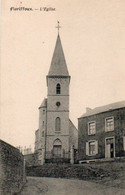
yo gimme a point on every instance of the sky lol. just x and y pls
(93, 39)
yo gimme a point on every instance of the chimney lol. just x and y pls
(88, 109)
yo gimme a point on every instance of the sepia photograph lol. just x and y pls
(62, 97)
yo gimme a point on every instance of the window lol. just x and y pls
(58, 104)
(43, 111)
(91, 128)
(42, 133)
(57, 124)
(58, 89)
(109, 124)
(91, 148)
(43, 124)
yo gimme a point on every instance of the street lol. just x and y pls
(58, 186)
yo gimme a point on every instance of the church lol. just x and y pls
(57, 137)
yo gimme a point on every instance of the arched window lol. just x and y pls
(58, 89)
(58, 124)
(43, 124)
(57, 142)
(42, 133)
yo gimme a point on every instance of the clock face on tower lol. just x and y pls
(58, 104)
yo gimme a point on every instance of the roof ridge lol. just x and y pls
(104, 108)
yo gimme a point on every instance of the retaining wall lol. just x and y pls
(12, 169)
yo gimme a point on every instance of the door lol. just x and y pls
(57, 151)
(108, 151)
(109, 148)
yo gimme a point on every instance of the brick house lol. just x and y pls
(101, 132)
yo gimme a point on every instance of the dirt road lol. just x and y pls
(58, 186)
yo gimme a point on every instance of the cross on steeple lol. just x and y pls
(58, 26)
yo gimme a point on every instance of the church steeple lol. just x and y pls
(58, 64)
(56, 133)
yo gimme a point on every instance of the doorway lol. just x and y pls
(110, 147)
(57, 149)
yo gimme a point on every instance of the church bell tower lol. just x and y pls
(57, 129)
(57, 136)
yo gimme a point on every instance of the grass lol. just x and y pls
(110, 174)
(107, 173)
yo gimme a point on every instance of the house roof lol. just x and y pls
(104, 108)
(58, 65)
(36, 130)
(44, 103)
(73, 125)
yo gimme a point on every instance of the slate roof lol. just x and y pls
(58, 65)
(105, 108)
(44, 103)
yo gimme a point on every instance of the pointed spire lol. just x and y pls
(58, 65)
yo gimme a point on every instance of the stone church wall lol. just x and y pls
(64, 82)
(51, 116)
(73, 138)
(64, 140)
(12, 171)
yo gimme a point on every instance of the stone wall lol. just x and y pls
(12, 169)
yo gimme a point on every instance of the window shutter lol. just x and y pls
(96, 147)
(87, 148)
(124, 143)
